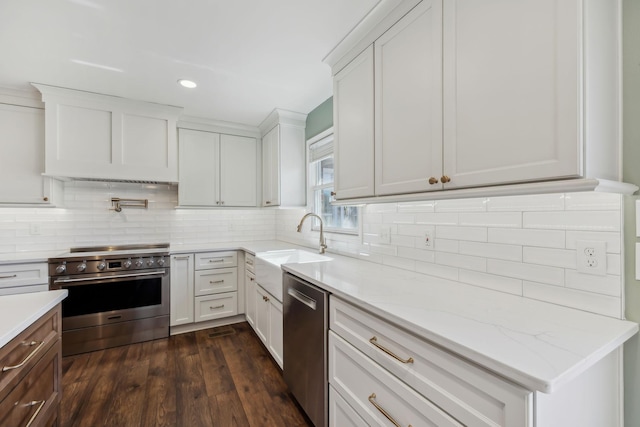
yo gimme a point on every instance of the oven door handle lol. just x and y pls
(118, 276)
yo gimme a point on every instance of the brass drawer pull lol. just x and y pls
(372, 399)
(35, 414)
(216, 260)
(250, 262)
(216, 307)
(374, 341)
(213, 282)
(252, 279)
(445, 179)
(9, 277)
(181, 257)
(26, 359)
(433, 180)
(265, 299)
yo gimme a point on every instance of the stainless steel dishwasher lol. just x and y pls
(305, 347)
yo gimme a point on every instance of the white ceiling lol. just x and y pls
(247, 56)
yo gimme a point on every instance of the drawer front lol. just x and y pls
(23, 274)
(216, 260)
(216, 281)
(375, 394)
(36, 398)
(24, 289)
(341, 414)
(471, 395)
(250, 262)
(216, 306)
(24, 351)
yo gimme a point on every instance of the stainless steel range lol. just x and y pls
(117, 295)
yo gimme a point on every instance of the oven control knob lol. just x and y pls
(82, 267)
(160, 262)
(127, 263)
(102, 265)
(61, 269)
(150, 262)
(139, 263)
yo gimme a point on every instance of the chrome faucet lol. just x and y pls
(323, 244)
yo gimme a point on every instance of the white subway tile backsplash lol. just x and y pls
(461, 205)
(415, 230)
(595, 201)
(474, 234)
(541, 202)
(492, 250)
(491, 281)
(607, 285)
(437, 218)
(445, 245)
(614, 264)
(551, 257)
(394, 261)
(437, 270)
(587, 301)
(573, 220)
(416, 254)
(518, 270)
(542, 238)
(461, 261)
(613, 239)
(417, 207)
(491, 219)
(398, 218)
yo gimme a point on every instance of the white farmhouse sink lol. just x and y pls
(268, 272)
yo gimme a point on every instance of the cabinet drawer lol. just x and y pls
(23, 274)
(216, 306)
(24, 289)
(250, 262)
(471, 395)
(216, 281)
(36, 398)
(341, 414)
(216, 260)
(23, 352)
(372, 391)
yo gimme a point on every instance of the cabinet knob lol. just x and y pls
(433, 180)
(46, 199)
(267, 202)
(333, 193)
(445, 179)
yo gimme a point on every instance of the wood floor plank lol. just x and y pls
(194, 379)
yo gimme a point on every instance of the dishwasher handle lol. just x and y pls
(308, 301)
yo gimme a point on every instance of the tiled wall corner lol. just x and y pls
(524, 245)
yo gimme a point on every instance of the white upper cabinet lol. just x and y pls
(512, 99)
(216, 169)
(104, 137)
(474, 93)
(353, 110)
(283, 159)
(22, 156)
(408, 102)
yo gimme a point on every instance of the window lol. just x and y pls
(340, 219)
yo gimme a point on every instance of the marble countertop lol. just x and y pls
(18, 312)
(536, 344)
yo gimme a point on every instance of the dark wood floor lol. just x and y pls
(216, 377)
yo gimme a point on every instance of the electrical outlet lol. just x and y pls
(428, 239)
(591, 257)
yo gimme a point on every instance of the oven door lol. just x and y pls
(113, 297)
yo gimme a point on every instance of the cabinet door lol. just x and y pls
(238, 185)
(22, 155)
(511, 91)
(408, 102)
(271, 168)
(198, 170)
(353, 127)
(182, 284)
(275, 336)
(262, 314)
(250, 298)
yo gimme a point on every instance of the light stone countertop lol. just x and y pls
(536, 344)
(18, 312)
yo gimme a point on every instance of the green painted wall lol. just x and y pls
(320, 119)
(631, 174)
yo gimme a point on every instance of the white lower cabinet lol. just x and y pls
(340, 413)
(268, 321)
(420, 385)
(23, 278)
(204, 286)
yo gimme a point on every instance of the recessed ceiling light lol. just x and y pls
(187, 83)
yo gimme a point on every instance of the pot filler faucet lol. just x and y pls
(323, 244)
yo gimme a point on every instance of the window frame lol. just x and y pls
(312, 186)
